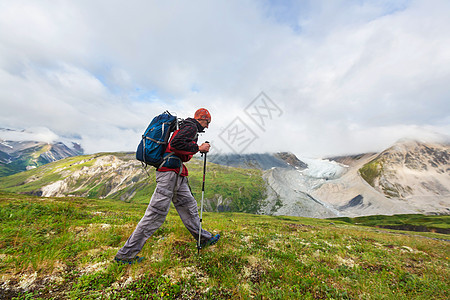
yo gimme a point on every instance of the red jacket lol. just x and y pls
(183, 144)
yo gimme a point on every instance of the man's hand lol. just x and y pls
(204, 148)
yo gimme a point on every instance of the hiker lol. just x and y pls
(172, 185)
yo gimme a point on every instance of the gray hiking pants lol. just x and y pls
(166, 184)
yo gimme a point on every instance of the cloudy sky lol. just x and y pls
(312, 77)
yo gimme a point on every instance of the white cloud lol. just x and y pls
(350, 76)
(40, 134)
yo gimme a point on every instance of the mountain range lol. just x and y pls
(409, 177)
(18, 156)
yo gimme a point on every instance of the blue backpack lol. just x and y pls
(154, 141)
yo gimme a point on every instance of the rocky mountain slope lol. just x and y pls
(414, 173)
(18, 156)
(289, 193)
(409, 177)
(263, 161)
(351, 195)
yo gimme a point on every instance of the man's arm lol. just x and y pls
(184, 140)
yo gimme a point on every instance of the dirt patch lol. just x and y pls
(346, 262)
(187, 273)
(298, 227)
(92, 268)
(256, 270)
(98, 251)
(182, 249)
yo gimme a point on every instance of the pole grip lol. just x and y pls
(204, 153)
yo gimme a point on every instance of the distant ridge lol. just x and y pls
(262, 161)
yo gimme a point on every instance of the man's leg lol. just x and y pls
(186, 207)
(154, 215)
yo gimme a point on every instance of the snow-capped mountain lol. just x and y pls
(17, 156)
(409, 177)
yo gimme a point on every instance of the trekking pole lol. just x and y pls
(199, 245)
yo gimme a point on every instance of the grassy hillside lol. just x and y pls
(421, 223)
(119, 176)
(62, 248)
(371, 171)
(27, 159)
(6, 170)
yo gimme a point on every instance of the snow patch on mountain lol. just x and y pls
(6, 144)
(323, 169)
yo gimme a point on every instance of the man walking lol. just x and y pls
(172, 185)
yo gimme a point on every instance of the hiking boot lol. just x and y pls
(211, 241)
(131, 261)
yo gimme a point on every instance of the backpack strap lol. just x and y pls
(153, 140)
(144, 166)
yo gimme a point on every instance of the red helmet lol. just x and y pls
(202, 114)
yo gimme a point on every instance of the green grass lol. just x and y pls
(245, 187)
(15, 166)
(6, 170)
(62, 248)
(371, 171)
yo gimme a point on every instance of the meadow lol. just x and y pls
(63, 248)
